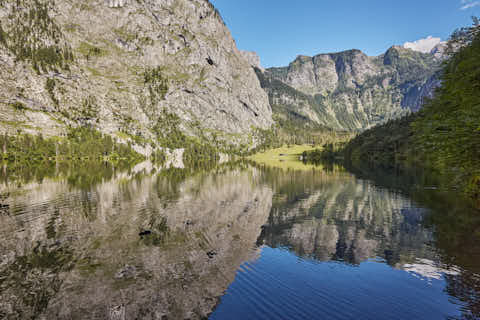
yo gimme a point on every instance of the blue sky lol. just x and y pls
(279, 30)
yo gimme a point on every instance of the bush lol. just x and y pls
(80, 143)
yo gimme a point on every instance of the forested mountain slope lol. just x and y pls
(445, 134)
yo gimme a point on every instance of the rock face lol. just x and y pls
(116, 3)
(439, 51)
(350, 90)
(252, 58)
(116, 64)
(415, 97)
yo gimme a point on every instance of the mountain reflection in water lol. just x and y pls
(238, 241)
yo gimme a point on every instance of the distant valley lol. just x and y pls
(160, 76)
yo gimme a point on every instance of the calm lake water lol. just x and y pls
(239, 241)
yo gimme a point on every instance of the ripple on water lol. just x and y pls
(266, 244)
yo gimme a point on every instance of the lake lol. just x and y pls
(237, 241)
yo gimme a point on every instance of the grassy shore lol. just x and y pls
(287, 157)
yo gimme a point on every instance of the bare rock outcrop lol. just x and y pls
(115, 65)
(252, 58)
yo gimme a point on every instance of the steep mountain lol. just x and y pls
(445, 135)
(116, 65)
(350, 90)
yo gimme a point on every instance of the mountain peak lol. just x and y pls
(344, 52)
(302, 57)
(253, 58)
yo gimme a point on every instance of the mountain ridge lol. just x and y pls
(351, 91)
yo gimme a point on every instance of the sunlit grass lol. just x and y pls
(284, 157)
(284, 153)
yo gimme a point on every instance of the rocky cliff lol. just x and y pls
(116, 64)
(253, 58)
(350, 90)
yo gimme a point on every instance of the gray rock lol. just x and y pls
(352, 91)
(126, 272)
(210, 83)
(439, 51)
(116, 3)
(252, 58)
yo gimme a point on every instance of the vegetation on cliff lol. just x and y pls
(291, 126)
(34, 36)
(79, 144)
(445, 134)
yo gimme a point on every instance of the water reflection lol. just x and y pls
(333, 216)
(455, 222)
(242, 241)
(137, 245)
(328, 216)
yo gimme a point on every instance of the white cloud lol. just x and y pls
(467, 4)
(423, 45)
